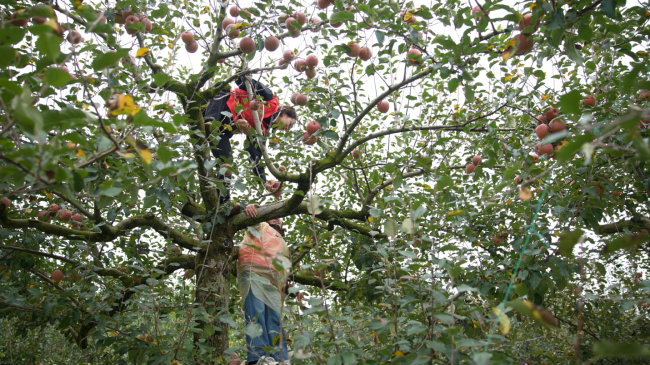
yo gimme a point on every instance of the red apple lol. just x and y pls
(365, 53)
(415, 52)
(57, 275)
(309, 140)
(188, 274)
(192, 47)
(39, 20)
(18, 22)
(282, 20)
(541, 119)
(100, 15)
(73, 277)
(383, 106)
(476, 160)
(301, 100)
(546, 149)
(233, 31)
(525, 44)
(271, 43)
(300, 65)
(65, 215)
(288, 55)
(293, 97)
(228, 171)
(288, 23)
(542, 130)
(355, 49)
(312, 127)
(311, 73)
(315, 20)
(44, 215)
(74, 37)
(356, 153)
(311, 61)
(496, 240)
(126, 13)
(247, 45)
(551, 113)
(283, 64)
(557, 125)
(300, 17)
(226, 22)
(255, 105)
(187, 37)
(479, 13)
(469, 168)
(53, 208)
(77, 219)
(526, 22)
(6, 202)
(643, 95)
(147, 25)
(590, 100)
(234, 11)
(322, 4)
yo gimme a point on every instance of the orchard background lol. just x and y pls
(477, 192)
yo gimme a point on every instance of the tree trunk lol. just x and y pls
(213, 294)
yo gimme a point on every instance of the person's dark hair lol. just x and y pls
(287, 110)
(278, 229)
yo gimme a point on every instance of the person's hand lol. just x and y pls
(243, 126)
(272, 186)
(251, 210)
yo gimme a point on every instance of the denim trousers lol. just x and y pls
(270, 322)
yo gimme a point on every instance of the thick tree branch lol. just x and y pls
(110, 233)
(634, 224)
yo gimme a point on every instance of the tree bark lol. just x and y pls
(213, 272)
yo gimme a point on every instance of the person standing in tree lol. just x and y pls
(262, 267)
(233, 110)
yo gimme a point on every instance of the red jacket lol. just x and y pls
(240, 97)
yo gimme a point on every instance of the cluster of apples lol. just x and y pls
(527, 28)
(548, 123)
(364, 53)
(57, 276)
(308, 65)
(312, 127)
(191, 45)
(64, 215)
(299, 99)
(470, 167)
(497, 239)
(128, 17)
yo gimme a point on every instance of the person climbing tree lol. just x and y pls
(263, 253)
(233, 109)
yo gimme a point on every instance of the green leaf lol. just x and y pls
(254, 330)
(341, 16)
(625, 241)
(408, 226)
(380, 37)
(568, 150)
(571, 102)
(390, 227)
(164, 154)
(568, 240)
(642, 150)
(444, 181)
(349, 359)
(609, 8)
(208, 329)
(50, 45)
(11, 35)
(331, 135)
(572, 52)
(57, 77)
(161, 78)
(452, 84)
(108, 59)
(612, 349)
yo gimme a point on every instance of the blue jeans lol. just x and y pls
(270, 322)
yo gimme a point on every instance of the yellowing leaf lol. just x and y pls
(147, 338)
(525, 194)
(80, 153)
(561, 144)
(142, 52)
(123, 104)
(126, 154)
(504, 321)
(143, 151)
(398, 353)
(454, 212)
(508, 77)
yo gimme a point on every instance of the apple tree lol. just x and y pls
(470, 184)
